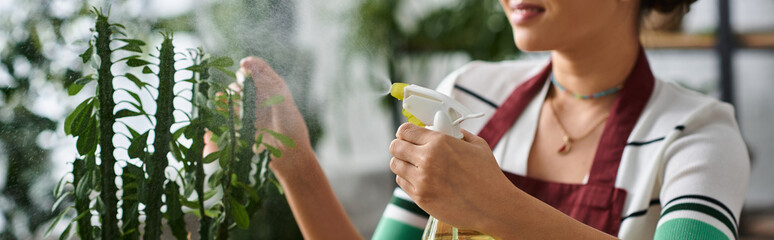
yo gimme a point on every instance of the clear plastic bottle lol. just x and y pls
(437, 230)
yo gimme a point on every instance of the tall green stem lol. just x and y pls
(196, 156)
(226, 181)
(247, 133)
(82, 204)
(132, 175)
(106, 118)
(164, 119)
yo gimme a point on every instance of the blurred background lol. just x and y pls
(339, 57)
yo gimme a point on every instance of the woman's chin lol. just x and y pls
(531, 44)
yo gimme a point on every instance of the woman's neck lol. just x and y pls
(600, 64)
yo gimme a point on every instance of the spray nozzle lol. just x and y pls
(429, 108)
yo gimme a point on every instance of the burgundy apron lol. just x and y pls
(598, 203)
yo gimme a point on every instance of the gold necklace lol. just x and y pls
(566, 139)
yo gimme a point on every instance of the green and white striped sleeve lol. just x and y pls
(402, 219)
(705, 179)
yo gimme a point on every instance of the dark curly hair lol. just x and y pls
(664, 6)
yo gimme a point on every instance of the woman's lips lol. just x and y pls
(523, 12)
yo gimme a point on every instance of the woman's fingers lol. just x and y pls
(404, 150)
(415, 134)
(404, 172)
(404, 184)
(263, 75)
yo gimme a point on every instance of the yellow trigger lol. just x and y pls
(397, 92)
(412, 119)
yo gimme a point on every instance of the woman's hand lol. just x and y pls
(315, 208)
(453, 180)
(282, 118)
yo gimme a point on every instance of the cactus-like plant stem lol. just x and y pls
(82, 204)
(130, 216)
(248, 131)
(106, 120)
(197, 150)
(226, 181)
(164, 119)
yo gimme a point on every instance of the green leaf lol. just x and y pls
(129, 57)
(259, 139)
(136, 97)
(211, 157)
(126, 113)
(225, 158)
(132, 45)
(211, 193)
(83, 214)
(118, 25)
(86, 56)
(66, 233)
(134, 133)
(250, 191)
(220, 104)
(76, 112)
(146, 70)
(58, 188)
(212, 213)
(55, 222)
(130, 41)
(240, 214)
(281, 137)
(189, 204)
(87, 142)
(85, 79)
(278, 186)
(175, 149)
(82, 189)
(226, 71)
(80, 122)
(234, 180)
(274, 151)
(214, 180)
(197, 68)
(190, 130)
(134, 62)
(60, 200)
(74, 89)
(221, 62)
(139, 83)
(78, 84)
(178, 132)
(138, 145)
(131, 48)
(272, 100)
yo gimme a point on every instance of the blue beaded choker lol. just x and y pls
(589, 96)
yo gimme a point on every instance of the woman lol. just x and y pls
(586, 146)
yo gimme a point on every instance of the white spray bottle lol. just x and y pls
(436, 111)
(431, 109)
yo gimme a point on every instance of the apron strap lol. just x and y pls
(624, 114)
(511, 109)
(626, 110)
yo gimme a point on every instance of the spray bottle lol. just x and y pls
(433, 110)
